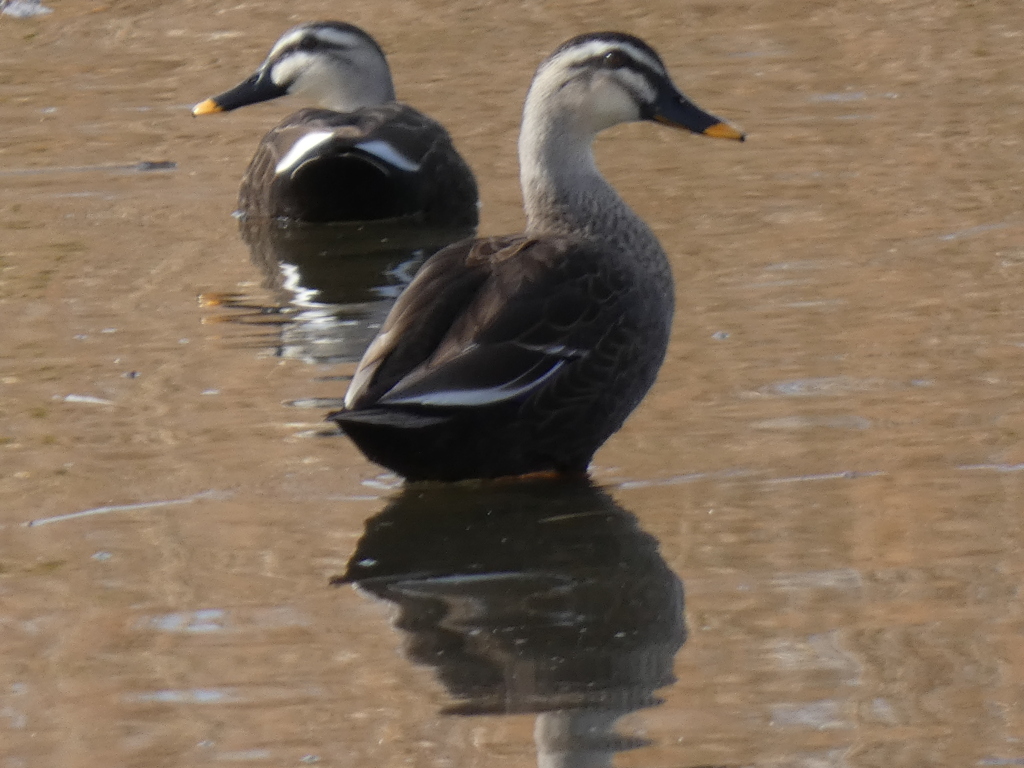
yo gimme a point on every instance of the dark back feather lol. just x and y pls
(341, 182)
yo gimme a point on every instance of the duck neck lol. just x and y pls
(563, 191)
(349, 96)
(332, 86)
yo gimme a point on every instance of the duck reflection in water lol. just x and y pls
(538, 597)
(332, 284)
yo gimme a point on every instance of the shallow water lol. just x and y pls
(830, 465)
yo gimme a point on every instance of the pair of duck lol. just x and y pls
(505, 355)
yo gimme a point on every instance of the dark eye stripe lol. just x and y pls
(304, 46)
(628, 62)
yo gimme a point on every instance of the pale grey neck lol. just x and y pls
(564, 192)
(345, 104)
(346, 98)
(342, 89)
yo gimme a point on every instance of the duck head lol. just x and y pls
(598, 80)
(334, 65)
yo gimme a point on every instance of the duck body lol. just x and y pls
(381, 162)
(522, 354)
(361, 155)
(513, 355)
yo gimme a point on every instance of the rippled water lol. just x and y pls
(804, 549)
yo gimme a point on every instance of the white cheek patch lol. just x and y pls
(300, 149)
(389, 155)
(288, 69)
(637, 84)
(614, 97)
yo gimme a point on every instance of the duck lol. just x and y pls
(522, 354)
(359, 155)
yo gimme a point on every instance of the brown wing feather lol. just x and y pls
(423, 316)
(529, 307)
(445, 190)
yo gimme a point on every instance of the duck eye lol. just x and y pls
(308, 43)
(614, 60)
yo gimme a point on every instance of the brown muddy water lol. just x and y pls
(804, 549)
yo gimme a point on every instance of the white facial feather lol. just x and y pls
(597, 48)
(603, 97)
(335, 38)
(291, 67)
(637, 84)
(343, 78)
(288, 38)
(339, 38)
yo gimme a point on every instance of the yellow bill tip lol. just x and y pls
(724, 131)
(207, 107)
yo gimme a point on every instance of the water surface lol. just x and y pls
(816, 511)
